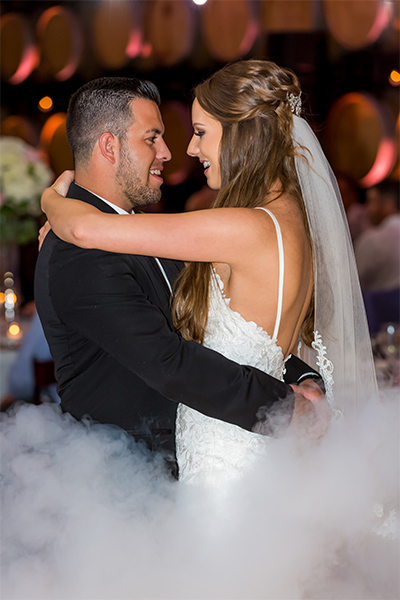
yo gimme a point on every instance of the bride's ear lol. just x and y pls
(109, 146)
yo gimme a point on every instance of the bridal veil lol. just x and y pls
(341, 329)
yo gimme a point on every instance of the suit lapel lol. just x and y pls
(172, 268)
(78, 192)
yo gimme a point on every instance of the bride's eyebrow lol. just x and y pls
(197, 125)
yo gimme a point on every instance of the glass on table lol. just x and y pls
(386, 348)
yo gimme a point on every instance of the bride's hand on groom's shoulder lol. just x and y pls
(312, 413)
(60, 187)
(62, 183)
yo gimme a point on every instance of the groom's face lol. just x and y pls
(142, 155)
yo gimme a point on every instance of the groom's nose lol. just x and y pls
(163, 152)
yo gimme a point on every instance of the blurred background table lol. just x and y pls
(7, 358)
(9, 349)
(386, 350)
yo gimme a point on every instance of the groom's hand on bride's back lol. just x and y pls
(312, 412)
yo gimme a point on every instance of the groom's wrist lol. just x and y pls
(273, 420)
(314, 377)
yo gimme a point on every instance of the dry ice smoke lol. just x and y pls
(88, 514)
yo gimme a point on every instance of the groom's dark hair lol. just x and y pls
(103, 105)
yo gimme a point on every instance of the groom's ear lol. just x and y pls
(109, 146)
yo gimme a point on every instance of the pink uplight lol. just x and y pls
(28, 63)
(19, 45)
(381, 22)
(67, 71)
(249, 38)
(147, 50)
(383, 164)
(134, 45)
(57, 16)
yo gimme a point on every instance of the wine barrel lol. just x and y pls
(20, 127)
(395, 174)
(289, 16)
(355, 24)
(60, 40)
(117, 32)
(178, 131)
(229, 28)
(53, 139)
(18, 53)
(360, 138)
(169, 27)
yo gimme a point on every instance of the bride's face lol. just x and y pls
(205, 144)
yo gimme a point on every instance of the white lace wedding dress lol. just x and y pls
(210, 451)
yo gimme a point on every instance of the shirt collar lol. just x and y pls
(117, 209)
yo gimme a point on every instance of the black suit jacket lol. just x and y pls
(117, 356)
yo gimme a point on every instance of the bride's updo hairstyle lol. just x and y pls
(250, 100)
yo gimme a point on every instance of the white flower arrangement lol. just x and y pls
(24, 175)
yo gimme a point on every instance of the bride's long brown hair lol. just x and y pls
(249, 99)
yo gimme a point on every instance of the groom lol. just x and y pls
(107, 316)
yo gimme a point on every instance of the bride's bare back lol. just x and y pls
(252, 283)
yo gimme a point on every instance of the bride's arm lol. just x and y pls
(220, 235)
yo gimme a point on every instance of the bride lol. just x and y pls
(269, 269)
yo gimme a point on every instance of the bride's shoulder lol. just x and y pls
(245, 222)
(285, 214)
(257, 225)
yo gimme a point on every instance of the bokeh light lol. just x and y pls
(10, 299)
(45, 104)
(394, 78)
(14, 329)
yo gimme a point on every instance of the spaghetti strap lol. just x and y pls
(281, 271)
